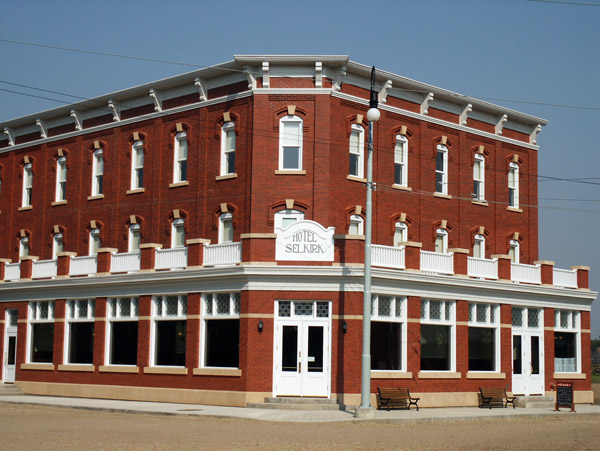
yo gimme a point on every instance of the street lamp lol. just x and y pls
(365, 410)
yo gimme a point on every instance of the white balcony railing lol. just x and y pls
(437, 262)
(520, 272)
(83, 266)
(222, 254)
(44, 269)
(125, 262)
(171, 258)
(482, 267)
(12, 271)
(387, 256)
(564, 277)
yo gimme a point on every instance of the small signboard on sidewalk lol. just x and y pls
(564, 396)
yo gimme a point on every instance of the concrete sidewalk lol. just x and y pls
(301, 416)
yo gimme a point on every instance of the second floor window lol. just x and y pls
(98, 173)
(400, 233)
(356, 225)
(401, 161)
(95, 243)
(177, 233)
(181, 151)
(290, 143)
(441, 241)
(285, 218)
(479, 246)
(24, 247)
(514, 251)
(134, 238)
(357, 151)
(137, 165)
(513, 185)
(226, 228)
(479, 178)
(61, 179)
(57, 245)
(27, 185)
(228, 148)
(441, 170)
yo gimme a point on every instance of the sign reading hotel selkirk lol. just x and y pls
(305, 241)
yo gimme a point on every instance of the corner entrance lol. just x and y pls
(302, 348)
(10, 346)
(527, 351)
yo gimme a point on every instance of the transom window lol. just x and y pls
(441, 169)
(221, 331)
(181, 155)
(137, 165)
(357, 151)
(484, 337)
(479, 178)
(122, 331)
(169, 329)
(290, 143)
(527, 318)
(388, 333)
(311, 309)
(27, 185)
(401, 161)
(438, 337)
(228, 148)
(98, 173)
(61, 179)
(41, 332)
(567, 341)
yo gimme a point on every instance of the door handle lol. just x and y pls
(299, 367)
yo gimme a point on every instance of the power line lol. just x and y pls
(565, 3)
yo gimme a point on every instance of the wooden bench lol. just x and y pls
(395, 398)
(495, 397)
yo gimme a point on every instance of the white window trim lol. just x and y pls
(479, 162)
(61, 179)
(27, 185)
(515, 251)
(401, 149)
(286, 214)
(396, 317)
(56, 247)
(300, 141)
(72, 316)
(492, 321)
(134, 238)
(228, 127)
(443, 233)
(159, 314)
(234, 304)
(573, 327)
(178, 162)
(137, 148)
(525, 319)
(176, 225)
(24, 247)
(479, 241)
(98, 173)
(223, 219)
(358, 222)
(118, 317)
(360, 151)
(444, 151)
(94, 237)
(513, 170)
(33, 317)
(400, 233)
(425, 319)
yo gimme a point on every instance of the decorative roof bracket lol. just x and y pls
(250, 76)
(338, 77)
(202, 90)
(116, 110)
(500, 125)
(426, 102)
(78, 122)
(318, 74)
(11, 135)
(265, 74)
(43, 129)
(384, 91)
(465, 114)
(534, 134)
(157, 98)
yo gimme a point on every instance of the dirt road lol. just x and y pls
(25, 427)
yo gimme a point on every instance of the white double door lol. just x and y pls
(528, 362)
(302, 357)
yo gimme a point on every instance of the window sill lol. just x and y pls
(349, 237)
(485, 375)
(165, 370)
(226, 176)
(401, 187)
(290, 172)
(482, 203)
(59, 202)
(354, 178)
(178, 184)
(375, 374)
(569, 375)
(28, 207)
(118, 369)
(516, 210)
(96, 197)
(76, 367)
(37, 366)
(231, 372)
(438, 375)
(442, 195)
(135, 191)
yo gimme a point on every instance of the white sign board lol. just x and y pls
(305, 241)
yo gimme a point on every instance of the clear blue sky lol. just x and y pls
(538, 52)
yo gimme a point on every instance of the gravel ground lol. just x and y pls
(26, 427)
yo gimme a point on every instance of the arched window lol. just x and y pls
(134, 238)
(356, 225)
(180, 155)
(479, 178)
(357, 151)
(228, 148)
(514, 251)
(400, 233)
(441, 241)
(27, 185)
(479, 246)
(284, 218)
(57, 245)
(401, 161)
(24, 247)
(98, 173)
(61, 179)
(513, 185)
(137, 165)
(441, 170)
(290, 143)
(95, 242)
(226, 228)
(177, 233)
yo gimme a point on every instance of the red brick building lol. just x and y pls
(200, 239)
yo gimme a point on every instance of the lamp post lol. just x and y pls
(365, 410)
